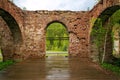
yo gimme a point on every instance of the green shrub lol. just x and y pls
(6, 64)
(111, 67)
(116, 62)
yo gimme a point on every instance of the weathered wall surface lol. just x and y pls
(6, 40)
(37, 22)
(11, 26)
(32, 27)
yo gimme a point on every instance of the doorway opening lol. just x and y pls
(57, 39)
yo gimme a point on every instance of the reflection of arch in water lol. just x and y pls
(107, 45)
(15, 33)
(58, 39)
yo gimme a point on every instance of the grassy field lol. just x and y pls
(56, 53)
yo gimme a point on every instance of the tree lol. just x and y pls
(24, 8)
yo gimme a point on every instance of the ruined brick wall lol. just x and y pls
(36, 23)
(6, 40)
(11, 17)
(33, 24)
(101, 6)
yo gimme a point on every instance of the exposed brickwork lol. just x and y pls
(36, 24)
(6, 40)
(33, 24)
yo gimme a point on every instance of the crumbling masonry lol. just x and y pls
(22, 33)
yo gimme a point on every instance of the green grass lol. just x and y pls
(111, 67)
(56, 53)
(5, 64)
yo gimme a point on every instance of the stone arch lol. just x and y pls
(105, 15)
(61, 23)
(15, 33)
(12, 24)
(107, 46)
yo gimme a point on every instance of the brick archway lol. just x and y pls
(57, 21)
(103, 18)
(32, 25)
(59, 37)
(40, 19)
(10, 34)
(12, 24)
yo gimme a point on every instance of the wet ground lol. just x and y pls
(56, 68)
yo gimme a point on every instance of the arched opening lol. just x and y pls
(10, 34)
(57, 39)
(115, 23)
(104, 36)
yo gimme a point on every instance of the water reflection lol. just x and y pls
(57, 68)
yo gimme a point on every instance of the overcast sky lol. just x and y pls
(73, 5)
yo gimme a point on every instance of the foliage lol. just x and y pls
(92, 21)
(115, 23)
(59, 53)
(6, 64)
(98, 37)
(115, 18)
(111, 67)
(55, 35)
(1, 57)
(101, 30)
(24, 8)
(116, 62)
(98, 32)
(115, 39)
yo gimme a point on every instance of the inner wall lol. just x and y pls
(6, 40)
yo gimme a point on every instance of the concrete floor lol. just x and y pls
(56, 68)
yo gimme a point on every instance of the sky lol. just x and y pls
(73, 5)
